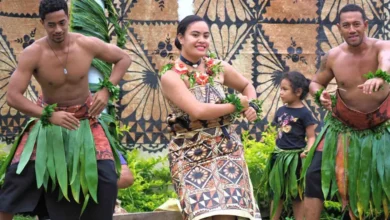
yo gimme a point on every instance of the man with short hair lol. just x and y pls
(352, 144)
(67, 147)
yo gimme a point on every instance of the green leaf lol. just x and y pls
(353, 161)
(276, 185)
(376, 186)
(41, 157)
(293, 183)
(310, 155)
(83, 181)
(46, 180)
(11, 154)
(59, 159)
(29, 147)
(364, 178)
(75, 188)
(288, 159)
(386, 156)
(114, 19)
(328, 165)
(68, 149)
(86, 200)
(103, 67)
(91, 173)
(75, 138)
(50, 157)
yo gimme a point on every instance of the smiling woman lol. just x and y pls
(206, 157)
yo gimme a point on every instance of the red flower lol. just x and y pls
(201, 78)
(210, 62)
(180, 68)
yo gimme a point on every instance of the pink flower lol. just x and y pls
(180, 68)
(201, 78)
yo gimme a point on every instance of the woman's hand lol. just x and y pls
(244, 101)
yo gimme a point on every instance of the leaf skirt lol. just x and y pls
(66, 158)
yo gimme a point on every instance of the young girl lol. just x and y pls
(295, 126)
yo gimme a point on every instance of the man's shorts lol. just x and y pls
(19, 194)
(313, 178)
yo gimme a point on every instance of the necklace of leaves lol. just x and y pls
(66, 60)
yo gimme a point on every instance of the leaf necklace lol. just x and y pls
(66, 60)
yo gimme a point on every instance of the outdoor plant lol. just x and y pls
(152, 183)
(256, 156)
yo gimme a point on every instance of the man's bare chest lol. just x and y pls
(352, 68)
(55, 71)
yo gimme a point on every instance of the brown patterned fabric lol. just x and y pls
(360, 120)
(103, 148)
(207, 165)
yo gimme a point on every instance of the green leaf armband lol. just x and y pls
(317, 96)
(113, 90)
(47, 113)
(257, 105)
(378, 74)
(233, 99)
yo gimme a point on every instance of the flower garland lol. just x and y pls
(47, 112)
(213, 68)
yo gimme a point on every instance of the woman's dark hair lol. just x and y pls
(183, 25)
(298, 81)
(49, 6)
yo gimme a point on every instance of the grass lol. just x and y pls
(20, 217)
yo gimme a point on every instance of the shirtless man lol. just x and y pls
(60, 62)
(361, 106)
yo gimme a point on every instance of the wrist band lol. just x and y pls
(113, 90)
(233, 99)
(317, 96)
(47, 113)
(378, 74)
(257, 106)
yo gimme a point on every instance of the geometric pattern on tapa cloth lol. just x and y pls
(261, 39)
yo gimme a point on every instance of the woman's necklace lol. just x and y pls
(194, 65)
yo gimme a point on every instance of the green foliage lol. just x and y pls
(332, 211)
(235, 100)
(21, 217)
(152, 184)
(256, 156)
(46, 114)
(165, 68)
(3, 157)
(120, 130)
